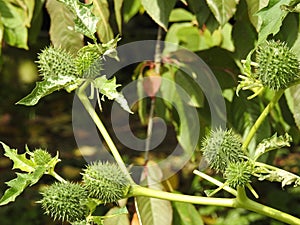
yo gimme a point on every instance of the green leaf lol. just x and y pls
(29, 10)
(116, 215)
(180, 14)
(104, 30)
(36, 21)
(62, 33)
(272, 143)
(190, 37)
(12, 15)
(186, 214)
(193, 90)
(18, 185)
(85, 20)
(16, 19)
(203, 14)
(1, 37)
(130, 8)
(244, 34)
(294, 6)
(294, 102)
(172, 36)
(20, 161)
(49, 85)
(277, 175)
(108, 88)
(272, 17)
(16, 37)
(186, 126)
(118, 9)
(152, 211)
(159, 11)
(253, 7)
(222, 10)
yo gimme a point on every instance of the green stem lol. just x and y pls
(244, 202)
(91, 111)
(216, 182)
(241, 201)
(261, 118)
(137, 190)
(57, 176)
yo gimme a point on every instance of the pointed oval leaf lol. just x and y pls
(118, 9)
(130, 8)
(253, 7)
(293, 99)
(180, 14)
(272, 17)
(159, 11)
(115, 216)
(223, 10)
(104, 30)
(186, 214)
(153, 211)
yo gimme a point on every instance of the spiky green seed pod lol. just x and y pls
(221, 147)
(278, 66)
(54, 62)
(105, 181)
(41, 157)
(64, 201)
(88, 61)
(238, 174)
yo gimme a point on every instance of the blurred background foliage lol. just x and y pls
(221, 36)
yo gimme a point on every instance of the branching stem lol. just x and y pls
(261, 118)
(91, 111)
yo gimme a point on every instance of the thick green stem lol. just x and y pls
(244, 202)
(261, 118)
(241, 201)
(137, 190)
(91, 111)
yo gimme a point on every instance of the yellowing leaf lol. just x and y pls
(104, 30)
(62, 30)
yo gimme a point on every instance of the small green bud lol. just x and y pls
(105, 181)
(278, 66)
(221, 147)
(53, 62)
(64, 201)
(88, 61)
(238, 174)
(41, 157)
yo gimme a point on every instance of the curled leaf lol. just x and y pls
(272, 143)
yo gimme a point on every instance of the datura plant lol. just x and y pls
(274, 67)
